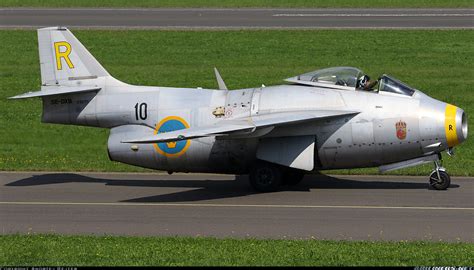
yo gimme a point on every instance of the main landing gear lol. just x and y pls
(439, 178)
(269, 177)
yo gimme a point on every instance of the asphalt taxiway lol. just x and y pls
(321, 207)
(212, 18)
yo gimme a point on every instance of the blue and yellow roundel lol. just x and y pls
(171, 149)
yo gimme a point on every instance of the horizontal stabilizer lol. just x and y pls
(240, 126)
(61, 90)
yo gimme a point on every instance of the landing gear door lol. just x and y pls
(294, 152)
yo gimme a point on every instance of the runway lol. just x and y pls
(205, 18)
(321, 207)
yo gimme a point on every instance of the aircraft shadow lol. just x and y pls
(217, 189)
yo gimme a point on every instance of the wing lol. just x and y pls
(192, 133)
(241, 126)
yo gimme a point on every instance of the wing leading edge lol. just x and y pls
(241, 126)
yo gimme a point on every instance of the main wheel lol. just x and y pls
(265, 177)
(440, 184)
(292, 176)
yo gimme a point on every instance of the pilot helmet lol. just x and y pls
(363, 80)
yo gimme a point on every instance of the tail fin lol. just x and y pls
(63, 58)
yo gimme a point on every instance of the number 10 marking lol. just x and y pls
(140, 111)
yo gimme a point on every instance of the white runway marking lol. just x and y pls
(372, 15)
(239, 28)
(240, 205)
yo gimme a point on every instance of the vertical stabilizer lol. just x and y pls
(63, 58)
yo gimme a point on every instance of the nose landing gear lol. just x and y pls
(439, 178)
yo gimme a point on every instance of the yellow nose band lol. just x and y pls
(450, 125)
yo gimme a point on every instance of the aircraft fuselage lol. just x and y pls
(388, 129)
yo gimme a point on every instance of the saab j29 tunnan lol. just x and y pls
(326, 119)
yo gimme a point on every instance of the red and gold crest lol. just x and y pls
(401, 128)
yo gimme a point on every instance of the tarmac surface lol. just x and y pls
(205, 18)
(322, 207)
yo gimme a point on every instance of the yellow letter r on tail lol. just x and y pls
(64, 55)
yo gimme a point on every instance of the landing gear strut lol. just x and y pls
(439, 178)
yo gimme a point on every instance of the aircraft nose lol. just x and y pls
(455, 125)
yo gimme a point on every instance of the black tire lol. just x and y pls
(292, 176)
(265, 177)
(442, 184)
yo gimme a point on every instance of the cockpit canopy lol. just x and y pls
(392, 85)
(335, 76)
(348, 78)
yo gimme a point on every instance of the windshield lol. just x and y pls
(345, 76)
(392, 85)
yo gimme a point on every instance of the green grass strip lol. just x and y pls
(38, 250)
(440, 63)
(243, 3)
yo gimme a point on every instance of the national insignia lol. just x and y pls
(401, 128)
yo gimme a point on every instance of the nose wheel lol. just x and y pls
(439, 178)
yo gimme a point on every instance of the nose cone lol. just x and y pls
(455, 125)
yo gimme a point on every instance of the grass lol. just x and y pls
(441, 63)
(55, 250)
(242, 3)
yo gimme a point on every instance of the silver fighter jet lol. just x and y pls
(326, 119)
